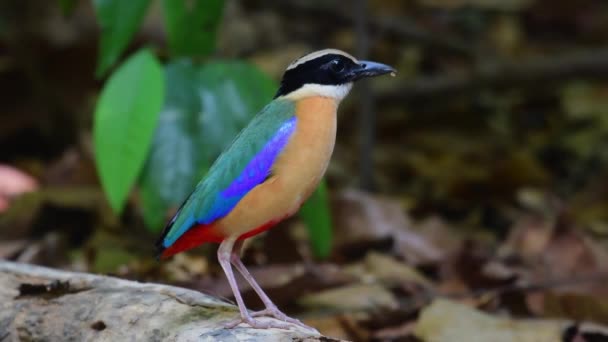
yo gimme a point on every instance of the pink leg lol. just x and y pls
(224, 256)
(271, 309)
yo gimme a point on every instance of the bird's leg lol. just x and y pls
(271, 309)
(224, 253)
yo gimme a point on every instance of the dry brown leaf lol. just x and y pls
(184, 267)
(579, 307)
(393, 333)
(358, 297)
(361, 217)
(528, 237)
(446, 321)
(571, 256)
(328, 326)
(386, 270)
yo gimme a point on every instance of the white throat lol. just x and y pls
(337, 92)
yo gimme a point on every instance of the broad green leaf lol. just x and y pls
(192, 25)
(315, 213)
(125, 118)
(205, 107)
(119, 19)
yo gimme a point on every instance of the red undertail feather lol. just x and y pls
(193, 237)
(258, 230)
(203, 233)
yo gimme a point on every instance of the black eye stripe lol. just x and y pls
(320, 70)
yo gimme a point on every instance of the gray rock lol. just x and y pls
(42, 304)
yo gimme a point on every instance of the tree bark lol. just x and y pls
(42, 304)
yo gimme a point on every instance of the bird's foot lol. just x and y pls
(278, 314)
(257, 324)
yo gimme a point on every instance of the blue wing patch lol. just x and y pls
(254, 173)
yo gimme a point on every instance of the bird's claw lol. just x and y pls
(257, 324)
(269, 312)
(278, 314)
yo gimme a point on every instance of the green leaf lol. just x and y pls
(205, 107)
(125, 119)
(192, 25)
(119, 19)
(315, 213)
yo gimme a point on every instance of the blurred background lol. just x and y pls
(477, 174)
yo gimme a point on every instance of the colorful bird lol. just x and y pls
(269, 170)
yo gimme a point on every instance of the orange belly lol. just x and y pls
(296, 173)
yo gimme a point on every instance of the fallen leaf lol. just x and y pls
(448, 321)
(439, 234)
(360, 216)
(387, 271)
(394, 333)
(569, 256)
(349, 298)
(528, 238)
(579, 307)
(184, 267)
(476, 266)
(328, 326)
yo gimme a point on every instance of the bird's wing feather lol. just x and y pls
(244, 165)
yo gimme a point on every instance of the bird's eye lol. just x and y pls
(337, 65)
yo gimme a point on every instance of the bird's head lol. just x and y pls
(327, 73)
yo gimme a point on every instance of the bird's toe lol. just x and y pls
(258, 324)
(278, 314)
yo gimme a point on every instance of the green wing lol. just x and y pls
(241, 167)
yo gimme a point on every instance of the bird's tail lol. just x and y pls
(193, 237)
